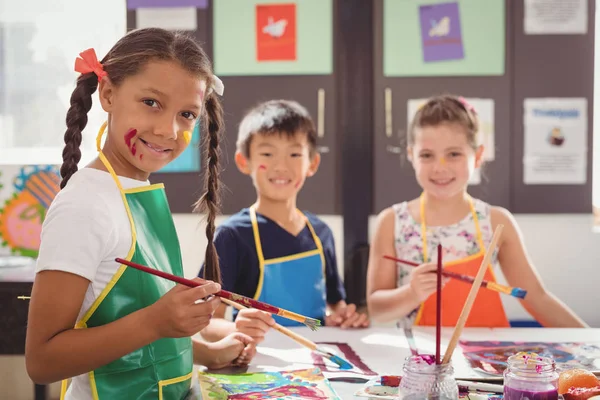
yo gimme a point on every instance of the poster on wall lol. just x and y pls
(276, 32)
(485, 112)
(273, 37)
(441, 35)
(555, 140)
(562, 17)
(189, 159)
(173, 18)
(443, 38)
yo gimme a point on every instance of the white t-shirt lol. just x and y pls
(85, 229)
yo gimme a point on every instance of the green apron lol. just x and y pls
(163, 369)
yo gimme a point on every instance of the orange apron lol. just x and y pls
(487, 310)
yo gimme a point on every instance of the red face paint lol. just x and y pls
(141, 156)
(133, 149)
(262, 167)
(129, 136)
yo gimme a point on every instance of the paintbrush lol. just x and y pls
(512, 291)
(343, 364)
(312, 323)
(462, 319)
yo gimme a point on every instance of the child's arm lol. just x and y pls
(520, 272)
(54, 350)
(385, 300)
(235, 349)
(251, 322)
(254, 323)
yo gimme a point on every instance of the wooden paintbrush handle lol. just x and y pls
(293, 335)
(460, 324)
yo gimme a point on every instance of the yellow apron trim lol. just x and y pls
(261, 258)
(144, 188)
(259, 253)
(171, 381)
(93, 386)
(292, 257)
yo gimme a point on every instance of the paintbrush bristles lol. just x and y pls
(312, 323)
(460, 324)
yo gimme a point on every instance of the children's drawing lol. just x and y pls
(22, 214)
(490, 357)
(307, 384)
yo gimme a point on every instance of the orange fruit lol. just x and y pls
(578, 378)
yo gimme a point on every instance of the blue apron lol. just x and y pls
(295, 282)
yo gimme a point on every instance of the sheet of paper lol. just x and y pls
(555, 140)
(134, 4)
(485, 113)
(273, 37)
(171, 18)
(543, 17)
(475, 48)
(441, 34)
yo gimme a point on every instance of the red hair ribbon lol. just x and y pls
(89, 63)
(467, 105)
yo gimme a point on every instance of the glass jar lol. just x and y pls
(529, 376)
(424, 380)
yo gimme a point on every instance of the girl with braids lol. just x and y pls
(444, 151)
(117, 332)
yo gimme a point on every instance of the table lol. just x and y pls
(384, 349)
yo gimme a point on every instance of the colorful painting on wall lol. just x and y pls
(22, 214)
(276, 32)
(440, 32)
(490, 357)
(304, 384)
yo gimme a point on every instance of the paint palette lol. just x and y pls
(307, 384)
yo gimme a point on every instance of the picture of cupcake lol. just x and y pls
(556, 137)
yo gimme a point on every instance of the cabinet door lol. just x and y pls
(319, 195)
(394, 179)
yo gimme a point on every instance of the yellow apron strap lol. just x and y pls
(316, 239)
(259, 253)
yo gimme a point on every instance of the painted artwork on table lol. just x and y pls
(24, 211)
(347, 353)
(490, 357)
(304, 384)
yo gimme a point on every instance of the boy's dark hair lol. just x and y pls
(127, 58)
(276, 117)
(446, 109)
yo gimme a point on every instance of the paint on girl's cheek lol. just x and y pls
(133, 149)
(187, 136)
(262, 167)
(129, 137)
(141, 156)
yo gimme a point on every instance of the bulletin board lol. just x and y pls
(550, 66)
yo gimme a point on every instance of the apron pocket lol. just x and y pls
(174, 388)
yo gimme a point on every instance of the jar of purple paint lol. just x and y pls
(425, 380)
(529, 376)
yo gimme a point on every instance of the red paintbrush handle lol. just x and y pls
(187, 282)
(464, 278)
